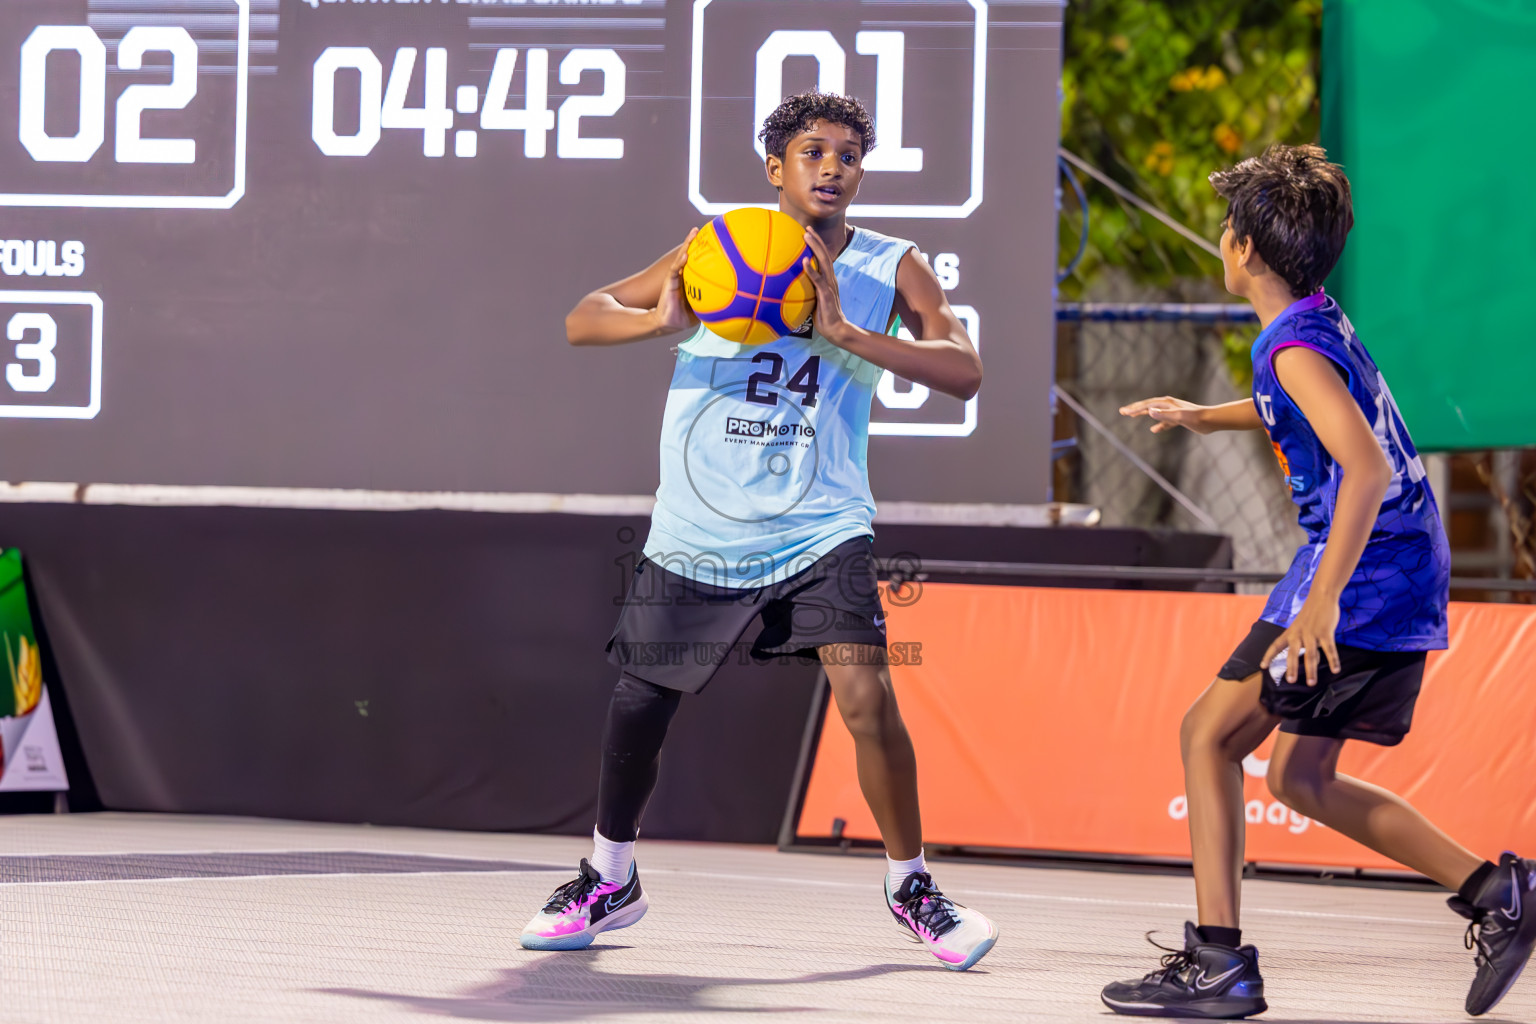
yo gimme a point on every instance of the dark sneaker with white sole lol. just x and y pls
(1200, 980)
(584, 906)
(1503, 930)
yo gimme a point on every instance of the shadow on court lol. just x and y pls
(569, 987)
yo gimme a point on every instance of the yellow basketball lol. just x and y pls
(745, 277)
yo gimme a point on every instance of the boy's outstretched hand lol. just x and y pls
(672, 312)
(1169, 413)
(1310, 632)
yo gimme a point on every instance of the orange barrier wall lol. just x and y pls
(1048, 720)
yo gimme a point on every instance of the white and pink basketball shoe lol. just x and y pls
(957, 935)
(584, 906)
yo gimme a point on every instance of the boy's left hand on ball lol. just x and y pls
(829, 319)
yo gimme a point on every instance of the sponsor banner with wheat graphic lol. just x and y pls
(29, 745)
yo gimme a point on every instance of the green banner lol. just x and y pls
(1427, 104)
(29, 745)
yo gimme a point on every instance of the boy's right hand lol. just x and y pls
(1169, 413)
(672, 312)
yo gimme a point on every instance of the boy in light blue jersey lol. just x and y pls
(1338, 653)
(764, 516)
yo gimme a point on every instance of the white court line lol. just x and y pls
(1062, 899)
(262, 853)
(774, 879)
(247, 878)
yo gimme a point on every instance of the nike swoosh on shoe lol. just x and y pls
(1205, 983)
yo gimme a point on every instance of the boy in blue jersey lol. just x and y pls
(1339, 651)
(771, 524)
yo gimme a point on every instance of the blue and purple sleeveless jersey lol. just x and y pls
(1396, 598)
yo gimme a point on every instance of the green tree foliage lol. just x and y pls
(1158, 94)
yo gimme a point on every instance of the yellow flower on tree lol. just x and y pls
(1202, 79)
(1160, 158)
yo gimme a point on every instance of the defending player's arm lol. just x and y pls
(1312, 382)
(1169, 412)
(941, 358)
(649, 304)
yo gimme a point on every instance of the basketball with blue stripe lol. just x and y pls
(745, 277)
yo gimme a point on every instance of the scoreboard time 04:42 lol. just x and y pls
(153, 115)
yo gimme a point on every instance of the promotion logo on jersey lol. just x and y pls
(921, 68)
(738, 428)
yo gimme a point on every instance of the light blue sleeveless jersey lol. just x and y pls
(764, 464)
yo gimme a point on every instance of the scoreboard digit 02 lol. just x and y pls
(132, 73)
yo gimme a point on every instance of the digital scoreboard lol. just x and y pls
(331, 243)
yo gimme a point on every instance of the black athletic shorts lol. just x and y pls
(675, 632)
(1371, 697)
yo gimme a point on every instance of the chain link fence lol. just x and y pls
(1144, 313)
(1112, 354)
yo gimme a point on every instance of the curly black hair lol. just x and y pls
(799, 112)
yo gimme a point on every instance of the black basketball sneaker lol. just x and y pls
(1200, 980)
(584, 906)
(1503, 930)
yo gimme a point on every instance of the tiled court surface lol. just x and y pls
(406, 925)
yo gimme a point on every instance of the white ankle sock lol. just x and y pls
(901, 869)
(612, 860)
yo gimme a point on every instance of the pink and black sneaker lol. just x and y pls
(956, 934)
(584, 906)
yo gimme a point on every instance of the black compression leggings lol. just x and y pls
(638, 717)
